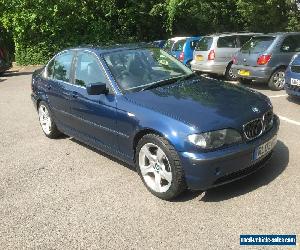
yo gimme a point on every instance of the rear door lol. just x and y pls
(254, 48)
(57, 86)
(226, 47)
(203, 48)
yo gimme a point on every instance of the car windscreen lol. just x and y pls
(204, 44)
(257, 44)
(135, 69)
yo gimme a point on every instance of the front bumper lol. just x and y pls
(207, 170)
(209, 67)
(290, 89)
(258, 74)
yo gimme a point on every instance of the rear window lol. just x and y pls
(204, 44)
(227, 42)
(178, 46)
(258, 44)
(244, 39)
(169, 44)
(193, 44)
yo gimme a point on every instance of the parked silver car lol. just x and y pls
(265, 58)
(213, 54)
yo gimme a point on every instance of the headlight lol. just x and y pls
(215, 139)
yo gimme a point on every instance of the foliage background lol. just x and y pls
(40, 28)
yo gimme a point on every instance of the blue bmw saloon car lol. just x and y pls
(292, 77)
(143, 106)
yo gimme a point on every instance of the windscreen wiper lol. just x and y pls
(160, 83)
(168, 81)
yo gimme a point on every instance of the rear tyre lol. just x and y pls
(244, 81)
(277, 80)
(229, 75)
(46, 121)
(159, 167)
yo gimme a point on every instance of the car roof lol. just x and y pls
(232, 34)
(178, 38)
(279, 34)
(112, 48)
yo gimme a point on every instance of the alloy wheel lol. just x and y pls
(155, 168)
(231, 74)
(45, 119)
(279, 79)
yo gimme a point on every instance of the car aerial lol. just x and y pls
(213, 53)
(144, 107)
(182, 48)
(5, 61)
(292, 77)
(159, 43)
(265, 58)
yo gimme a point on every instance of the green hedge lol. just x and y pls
(40, 28)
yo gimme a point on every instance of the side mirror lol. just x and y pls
(96, 88)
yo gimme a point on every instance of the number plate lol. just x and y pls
(199, 58)
(265, 148)
(243, 72)
(295, 82)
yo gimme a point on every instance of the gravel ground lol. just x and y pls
(61, 194)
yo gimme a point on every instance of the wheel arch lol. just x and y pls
(145, 131)
(38, 101)
(139, 135)
(228, 64)
(282, 66)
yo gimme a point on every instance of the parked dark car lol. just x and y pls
(159, 43)
(266, 57)
(144, 107)
(5, 61)
(292, 77)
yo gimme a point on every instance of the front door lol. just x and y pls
(94, 116)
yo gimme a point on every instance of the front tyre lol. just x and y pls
(159, 167)
(46, 121)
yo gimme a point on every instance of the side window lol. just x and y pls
(227, 42)
(60, 67)
(50, 69)
(290, 44)
(88, 70)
